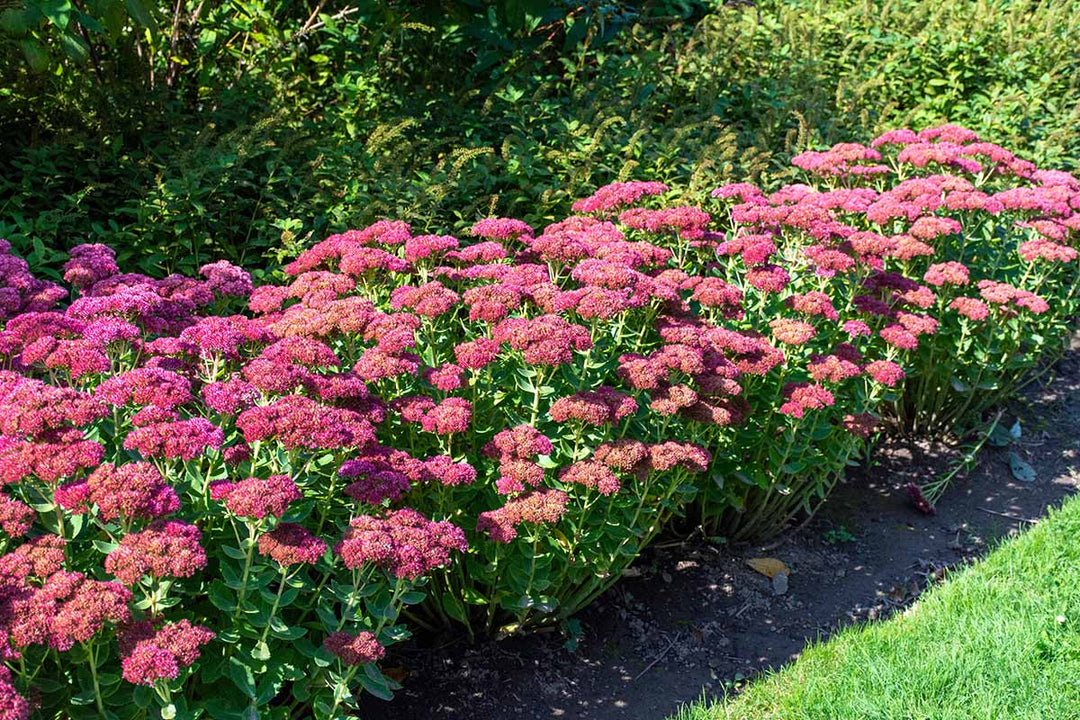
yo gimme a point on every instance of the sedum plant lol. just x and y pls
(222, 500)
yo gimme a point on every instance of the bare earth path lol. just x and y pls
(695, 618)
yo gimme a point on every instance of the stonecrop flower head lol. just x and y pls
(482, 252)
(591, 474)
(377, 364)
(38, 558)
(445, 471)
(291, 544)
(792, 332)
(688, 456)
(841, 364)
(476, 354)
(13, 706)
(947, 273)
(67, 609)
(299, 422)
(165, 549)
(50, 458)
(448, 417)
(430, 300)
(148, 655)
(358, 649)
(16, 518)
(376, 482)
(813, 303)
(618, 194)
(805, 396)
(257, 497)
(522, 441)
(885, 372)
(670, 399)
(226, 279)
(537, 507)
(403, 543)
(1045, 250)
(230, 396)
(224, 336)
(90, 264)
(501, 229)
(971, 308)
(183, 439)
(422, 247)
(603, 406)
(492, 303)
(546, 340)
(446, 377)
(841, 160)
(132, 490)
(30, 408)
(146, 386)
(716, 293)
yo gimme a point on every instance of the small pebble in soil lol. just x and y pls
(780, 583)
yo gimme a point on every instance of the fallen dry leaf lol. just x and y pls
(769, 567)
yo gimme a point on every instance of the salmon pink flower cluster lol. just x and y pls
(258, 491)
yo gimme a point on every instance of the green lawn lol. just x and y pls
(999, 640)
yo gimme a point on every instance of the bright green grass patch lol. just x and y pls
(1000, 640)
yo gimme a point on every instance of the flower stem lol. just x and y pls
(277, 602)
(92, 656)
(242, 592)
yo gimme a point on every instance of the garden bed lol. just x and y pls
(708, 620)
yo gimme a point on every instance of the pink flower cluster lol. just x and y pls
(291, 544)
(149, 655)
(618, 195)
(255, 497)
(300, 422)
(603, 406)
(538, 507)
(358, 649)
(129, 491)
(165, 549)
(515, 449)
(183, 439)
(65, 609)
(404, 543)
(546, 340)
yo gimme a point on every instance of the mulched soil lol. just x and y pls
(691, 617)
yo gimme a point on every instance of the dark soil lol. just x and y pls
(691, 617)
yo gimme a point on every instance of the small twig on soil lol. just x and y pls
(674, 543)
(1009, 517)
(659, 657)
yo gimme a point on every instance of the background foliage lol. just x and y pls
(188, 131)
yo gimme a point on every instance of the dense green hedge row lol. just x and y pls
(211, 149)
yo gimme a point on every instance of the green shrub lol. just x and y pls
(402, 111)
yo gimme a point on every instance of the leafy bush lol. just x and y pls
(394, 111)
(416, 431)
(353, 114)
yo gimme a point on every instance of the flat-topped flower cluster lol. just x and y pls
(221, 498)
